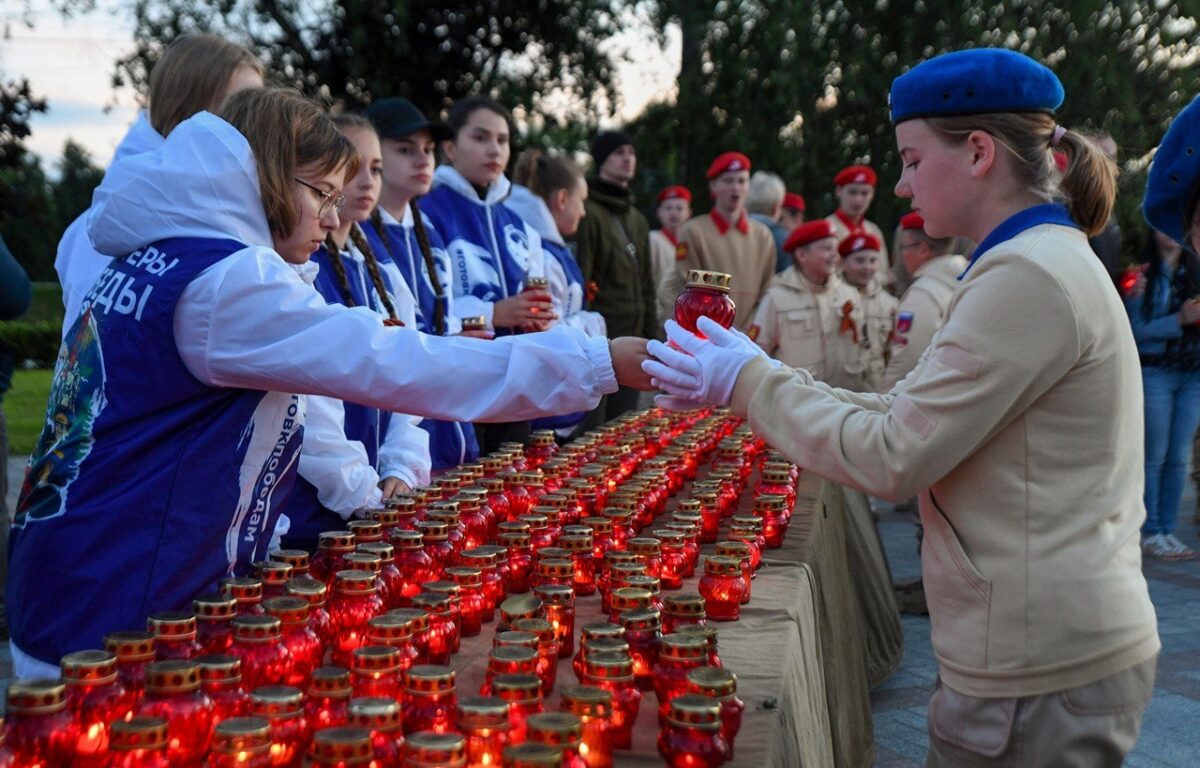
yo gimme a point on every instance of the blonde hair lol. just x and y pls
(1089, 185)
(287, 132)
(192, 76)
(545, 174)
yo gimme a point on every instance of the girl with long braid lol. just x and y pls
(407, 241)
(353, 456)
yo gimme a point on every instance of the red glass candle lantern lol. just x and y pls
(447, 514)
(375, 672)
(720, 685)
(332, 547)
(38, 731)
(722, 587)
(627, 599)
(173, 692)
(678, 655)
(739, 550)
(559, 604)
(95, 698)
(282, 706)
(531, 755)
(621, 519)
(297, 558)
(583, 567)
(391, 583)
(554, 571)
(248, 591)
(407, 510)
(355, 602)
(469, 581)
(709, 633)
(498, 502)
(776, 480)
(770, 509)
(542, 447)
(517, 567)
(648, 553)
(382, 718)
(429, 749)
(523, 694)
(483, 722)
(602, 538)
(516, 638)
(134, 650)
(452, 590)
(706, 294)
(305, 649)
(692, 737)
(373, 564)
(508, 660)
(643, 634)
(547, 649)
(258, 642)
(273, 574)
(388, 519)
(416, 565)
(750, 537)
(221, 681)
(365, 531)
(544, 529)
(418, 620)
(598, 638)
(492, 589)
(328, 700)
(174, 635)
(241, 742)
(681, 611)
(214, 621)
(614, 673)
(140, 742)
(691, 544)
(674, 559)
(341, 748)
(593, 706)
(475, 524)
(394, 630)
(563, 732)
(441, 635)
(650, 584)
(430, 700)
(748, 523)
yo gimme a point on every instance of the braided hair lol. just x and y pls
(360, 242)
(439, 307)
(339, 269)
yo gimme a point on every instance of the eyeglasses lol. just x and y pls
(329, 200)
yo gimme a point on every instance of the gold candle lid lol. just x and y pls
(714, 681)
(242, 734)
(587, 701)
(330, 683)
(683, 605)
(172, 676)
(703, 278)
(86, 667)
(375, 713)
(130, 646)
(139, 733)
(483, 712)
(532, 755)
(692, 710)
(341, 747)
(276, 701)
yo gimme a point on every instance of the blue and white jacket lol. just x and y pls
(450, 443)
(175, 419)
(492, 250)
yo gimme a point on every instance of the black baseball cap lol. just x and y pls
(396, 117)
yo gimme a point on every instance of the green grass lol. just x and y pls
(25, 406)
(46, 305)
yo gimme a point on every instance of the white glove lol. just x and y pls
(705, 371)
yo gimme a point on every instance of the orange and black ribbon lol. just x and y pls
(848, 323)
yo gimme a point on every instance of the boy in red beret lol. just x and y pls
(727, 240)
(861, 254)
(792, 214)
(855, 189)
(674, 208)
(809, 318)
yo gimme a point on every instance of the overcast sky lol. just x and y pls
(70, 63)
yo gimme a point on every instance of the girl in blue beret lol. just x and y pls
(1020, 428)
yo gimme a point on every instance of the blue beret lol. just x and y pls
(974, 82)
(1174, 174)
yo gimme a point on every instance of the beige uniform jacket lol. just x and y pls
(663, 255)
(842, 231)
(749, 258)
(921, 312)
(802, 325)
(879, 318)
(1021, 427)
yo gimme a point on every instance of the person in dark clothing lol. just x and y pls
(613, 250)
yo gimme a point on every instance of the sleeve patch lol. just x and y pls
(960, 360)
(913, 417)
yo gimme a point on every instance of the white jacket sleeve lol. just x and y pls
(250, 321)
(337, 467)
(404, 453)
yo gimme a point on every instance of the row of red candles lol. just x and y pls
(397, 610)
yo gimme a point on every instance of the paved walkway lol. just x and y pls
(1171, 728)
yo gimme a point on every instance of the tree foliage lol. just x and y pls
(431, 51)
(801, 85)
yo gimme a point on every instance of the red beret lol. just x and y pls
(859, 241)
(729, 161)
(677, 191)
(912, 220)
(808, 232)
(794, 202)
(855, 174)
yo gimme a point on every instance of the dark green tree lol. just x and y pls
(431, 51)
(802, 85)
(27, 218)
(78, 178)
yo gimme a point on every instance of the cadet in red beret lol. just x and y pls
(809, 317)
(794, 207)
(674, 208)
(855, 190)
(861, 253)
(727, 239)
